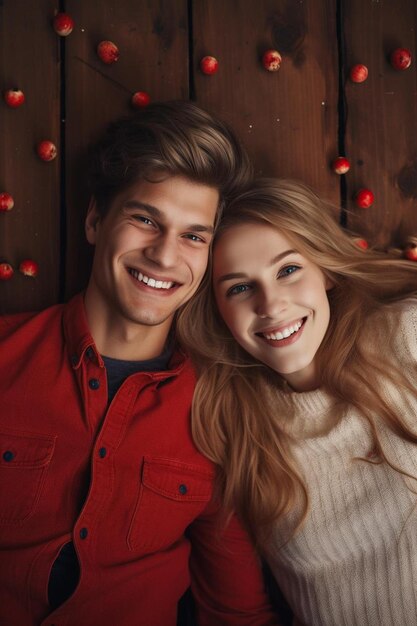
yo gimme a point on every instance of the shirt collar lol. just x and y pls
(77, 332)
(80, 341)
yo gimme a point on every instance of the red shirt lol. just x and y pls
(123, 483)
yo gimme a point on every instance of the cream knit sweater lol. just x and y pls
(354, 561)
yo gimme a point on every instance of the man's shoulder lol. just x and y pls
(11, 323)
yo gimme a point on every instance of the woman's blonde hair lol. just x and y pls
(234, 415)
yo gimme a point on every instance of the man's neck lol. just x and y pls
(120, 338)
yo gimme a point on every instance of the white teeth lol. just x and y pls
(286, 332)
(151, 282)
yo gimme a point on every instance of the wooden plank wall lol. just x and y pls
(381, 119)
(293, 122)
(30, 60)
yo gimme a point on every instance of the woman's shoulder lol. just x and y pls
(403, 313)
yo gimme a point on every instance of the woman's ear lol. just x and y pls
(91, 222)
(328, 283)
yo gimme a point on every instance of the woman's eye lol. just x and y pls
(286, 271)
(237, 289)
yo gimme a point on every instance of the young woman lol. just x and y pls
(307, 402)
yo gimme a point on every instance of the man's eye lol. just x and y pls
(237, 289)
(193, 237)
(287, 270)
(143, 219)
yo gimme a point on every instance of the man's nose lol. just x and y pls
(163, 250)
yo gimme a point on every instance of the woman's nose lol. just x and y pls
(271, 303)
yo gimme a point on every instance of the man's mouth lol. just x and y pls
(149, 281)
(283, 333)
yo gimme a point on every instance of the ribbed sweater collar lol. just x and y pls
(307, 414)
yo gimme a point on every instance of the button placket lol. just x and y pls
(94, 387)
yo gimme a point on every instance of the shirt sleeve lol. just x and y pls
(226, 576)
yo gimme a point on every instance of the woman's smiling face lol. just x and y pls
(273, 300)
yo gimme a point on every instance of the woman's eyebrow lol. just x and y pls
(281, 255)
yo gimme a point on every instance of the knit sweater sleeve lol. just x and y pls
(407, 329)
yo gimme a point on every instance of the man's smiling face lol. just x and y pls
(151, 250)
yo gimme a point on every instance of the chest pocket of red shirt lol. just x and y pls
(24, 460)
(171, 496)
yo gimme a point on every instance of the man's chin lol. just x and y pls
(149, 318)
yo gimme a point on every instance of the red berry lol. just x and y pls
(364, 198)
(108, 52)
(209, 65)
(46, 150)
(271, 60)
(362, 243)
(29, 267)
(341, 165)
(401, 58)
(411, 252)
(14, 98)
(358, 73)
(63, 24)
(140, 99)
(6, 271)
(6, 201)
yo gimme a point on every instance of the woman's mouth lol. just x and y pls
(285, 333)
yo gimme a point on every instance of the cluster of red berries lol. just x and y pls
(364, 198)
(400, 59)
(271, 60)
(107, 51)
(28, 267)
(46, 149)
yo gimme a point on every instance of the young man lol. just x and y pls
(106, 504)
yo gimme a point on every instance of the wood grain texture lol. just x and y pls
(29, 60)
(153, 41)
(288, 118)
(381, 138)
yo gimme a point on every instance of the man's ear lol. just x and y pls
(92, 222)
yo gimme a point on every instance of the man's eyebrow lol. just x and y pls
(273, 261)
(149, 208)
(201, 228)
(157, 214)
